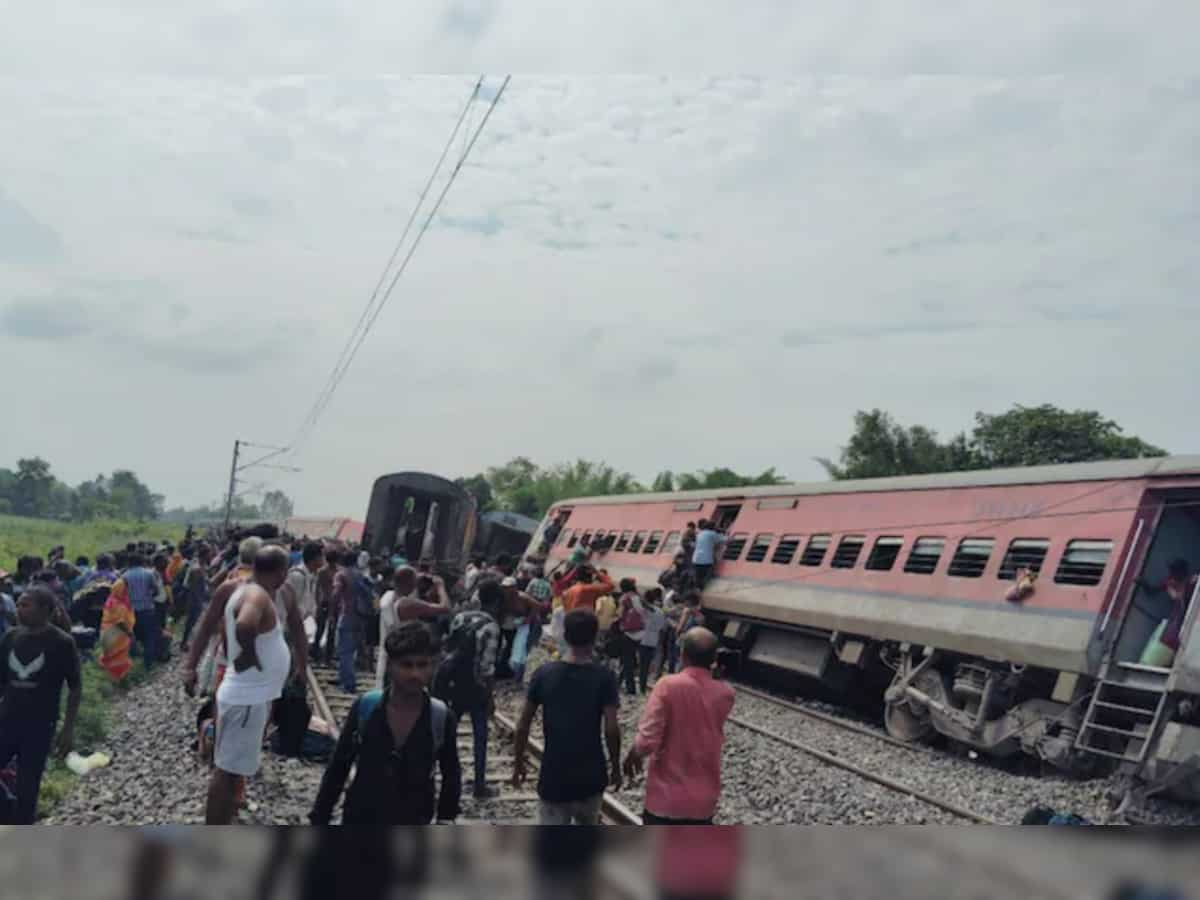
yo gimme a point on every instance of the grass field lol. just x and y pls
(20, 536)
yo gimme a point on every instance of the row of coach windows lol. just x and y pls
(1083, 562)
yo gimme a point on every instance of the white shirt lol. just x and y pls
(655, 623)
(254, 686)
(303, 585)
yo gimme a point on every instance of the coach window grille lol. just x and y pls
(638, 540)
(972, 557)
(1023, 553)
(565, 536)
(734, 546)
(925, 554)
(587, 538)
(848, 550)
(759, 548)
(884, 554)
(652, 545)
(671, 547)
(786, 551)
(814, 553)
(572, 538)
(1083, 563)
(624, 541)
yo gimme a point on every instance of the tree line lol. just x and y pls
(878, 447)
(33, 490)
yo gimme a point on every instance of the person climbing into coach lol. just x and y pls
(393, 738)
(681, 733)
(1179, 586)
(704, 557)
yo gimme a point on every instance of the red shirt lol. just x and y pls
(682, 732)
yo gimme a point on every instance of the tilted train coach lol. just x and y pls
(912, 578)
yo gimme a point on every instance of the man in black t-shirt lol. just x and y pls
(36, 659)
(577, 694)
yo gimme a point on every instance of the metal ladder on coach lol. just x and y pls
(1125, 712)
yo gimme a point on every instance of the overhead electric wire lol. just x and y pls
(358, 333)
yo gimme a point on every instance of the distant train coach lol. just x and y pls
(1013, 610)
(427, 517)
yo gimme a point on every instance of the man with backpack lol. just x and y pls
(393, 738)
(467, 675)
(354, 599)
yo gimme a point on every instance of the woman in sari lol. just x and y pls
(116, 632)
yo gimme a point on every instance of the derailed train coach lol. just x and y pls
(911, 584)
(421, 516)
(427, 517)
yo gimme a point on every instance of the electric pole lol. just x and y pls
(261, 462)
(233, 469)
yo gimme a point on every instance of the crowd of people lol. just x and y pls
(250, 612)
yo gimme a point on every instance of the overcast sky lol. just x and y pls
(929, 211)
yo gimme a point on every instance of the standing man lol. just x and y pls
(36, 660)
(466, 678)
(681, 732)
(704, 557)
(394, 738)
(142, 584)
(259, 663)
(401, 604)
(353, 598)
(589, 587)
(577, 695)
(194, 583)
(326, 617)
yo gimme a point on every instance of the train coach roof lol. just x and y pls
(1115, 470)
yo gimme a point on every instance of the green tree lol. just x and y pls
(34, 483)
(1041, 435)
(480, 488)
(709, 479)
(664, 483)
(131, 498)
(1024, 436)
(277, 506)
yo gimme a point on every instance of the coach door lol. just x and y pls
(726, 514)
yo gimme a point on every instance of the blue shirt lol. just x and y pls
(142, 588)
(706, 547)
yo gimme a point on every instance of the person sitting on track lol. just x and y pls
(394, 738)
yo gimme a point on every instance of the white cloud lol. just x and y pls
(933, 214)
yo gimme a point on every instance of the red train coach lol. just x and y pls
(911, 574)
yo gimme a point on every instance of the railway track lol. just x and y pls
(838, 762)
(829, 719)
(511, 806)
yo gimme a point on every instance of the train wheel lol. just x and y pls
(906, 724)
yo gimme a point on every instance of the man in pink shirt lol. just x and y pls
(681, 732)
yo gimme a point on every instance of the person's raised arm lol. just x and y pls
(208, 625)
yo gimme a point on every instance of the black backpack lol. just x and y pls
(455, 682)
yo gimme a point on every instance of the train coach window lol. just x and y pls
(735, 545)
(759, 548)
(564, 536)
(1083, 563)
(586, 538)
(885, 553)
(672, 544)
(638, 540)
(654, 542)
(972, 557)
(925, 555)
(786, 551)
(847, 551)
(572, 538)
(814, 553)
(624, 541)
(1023, 553)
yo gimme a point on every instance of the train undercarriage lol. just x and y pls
(996, 709)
